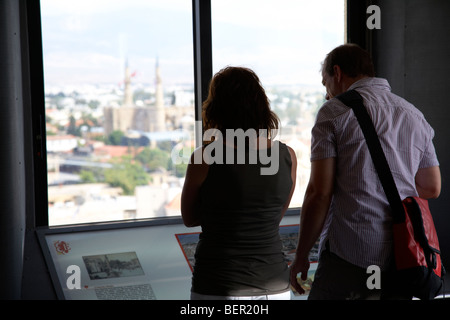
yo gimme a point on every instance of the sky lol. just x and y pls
(284, 41)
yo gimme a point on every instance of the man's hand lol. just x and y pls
(299, 266)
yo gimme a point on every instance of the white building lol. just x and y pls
(63, 143)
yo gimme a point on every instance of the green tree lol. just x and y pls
(72, 129)
(153, 159)
(180, 170)
(94, 104)
(87, 176)
(126, 174)
(115, 138)
(92, 175)
(166, 145)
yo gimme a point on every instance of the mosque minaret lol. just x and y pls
(128, 94)
(160, 121)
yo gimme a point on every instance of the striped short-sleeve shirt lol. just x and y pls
(358, 225)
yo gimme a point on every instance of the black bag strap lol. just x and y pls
(354, 100)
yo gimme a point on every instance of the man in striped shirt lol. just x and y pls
(345, 203)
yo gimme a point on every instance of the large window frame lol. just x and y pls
(203, 71)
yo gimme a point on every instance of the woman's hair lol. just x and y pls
(352, 59)
(237, 100)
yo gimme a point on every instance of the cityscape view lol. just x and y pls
(110, 138)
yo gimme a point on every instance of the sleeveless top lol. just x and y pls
(240, 251)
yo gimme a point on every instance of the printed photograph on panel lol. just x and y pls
(113, 265)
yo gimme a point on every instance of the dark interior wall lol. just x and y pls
(412, 51)
(12, 161)
(35, 282)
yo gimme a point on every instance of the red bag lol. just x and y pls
(417, 252)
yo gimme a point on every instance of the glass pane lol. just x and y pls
(119, 98)
(284, 42)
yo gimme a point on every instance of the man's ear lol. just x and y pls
(337, 73)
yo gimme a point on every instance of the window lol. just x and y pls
(120, 96)
(284, 42)
(119, 90)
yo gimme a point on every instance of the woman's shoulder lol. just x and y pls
(287, 150)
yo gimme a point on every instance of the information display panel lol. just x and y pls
(148, 260)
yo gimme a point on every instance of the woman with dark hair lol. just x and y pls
(237, 100)
(238, 205)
